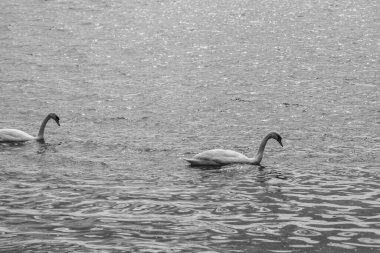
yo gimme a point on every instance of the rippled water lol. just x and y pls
(141, 84)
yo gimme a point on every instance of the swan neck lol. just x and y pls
(260, 152)
(42, 128)
(255, 160)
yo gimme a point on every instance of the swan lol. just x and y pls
(220, 157)
(15, 135)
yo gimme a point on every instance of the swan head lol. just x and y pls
(55, 117)
(276, 136)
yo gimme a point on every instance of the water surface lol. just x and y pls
(139, 85)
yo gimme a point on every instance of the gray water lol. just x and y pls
(140, 84)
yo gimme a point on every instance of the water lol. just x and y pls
(139, 85)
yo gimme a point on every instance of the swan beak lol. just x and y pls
(58, 122)
(280, 143)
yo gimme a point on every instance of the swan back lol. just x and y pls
(14, 135)
(218, 157)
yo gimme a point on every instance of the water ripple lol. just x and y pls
(139, 85)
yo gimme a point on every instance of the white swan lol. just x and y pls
(220, 157)
(15, 135)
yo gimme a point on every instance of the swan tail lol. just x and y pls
(192, 162)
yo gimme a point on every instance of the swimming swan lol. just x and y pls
(220, 157)
(14, 135)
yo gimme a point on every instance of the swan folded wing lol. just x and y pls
(219, 157)
(14, 135)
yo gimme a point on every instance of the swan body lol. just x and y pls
(220, 157)
(15, 135)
